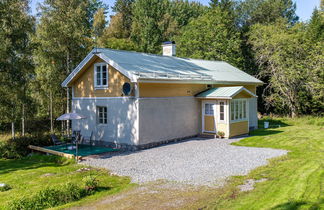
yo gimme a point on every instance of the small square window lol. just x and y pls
(209, 109)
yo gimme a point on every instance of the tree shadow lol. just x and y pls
(12, 165)
(291, 205)
(264, 132)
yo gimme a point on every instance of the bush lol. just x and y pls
(50, 197)
(91, 183)
(18, 147)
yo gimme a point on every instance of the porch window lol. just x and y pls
(102, 114)
(209, 109)
(238, 110)
(221, 111)
(244, 109)
(232, 111)
(100, 75)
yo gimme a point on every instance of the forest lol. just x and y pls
(265, 38)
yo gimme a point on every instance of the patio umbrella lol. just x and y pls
(71, 116)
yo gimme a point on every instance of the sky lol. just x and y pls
(304, 7)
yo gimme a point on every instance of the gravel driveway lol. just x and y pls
(197, 161)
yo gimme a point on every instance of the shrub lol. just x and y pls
(50, 197)
(91, 183)
(18, 147)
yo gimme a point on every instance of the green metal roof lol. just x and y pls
(223, 92)
(137, 66)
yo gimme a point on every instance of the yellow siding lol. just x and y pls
(251, 88)
(242, 94)
(174, 90)
(169, 89)
(239, 128)
(84, 85)
(209, 123)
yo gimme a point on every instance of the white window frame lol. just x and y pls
(101, 74)
(237, 110)
(212, 105)
(219, 111)
(105, 117)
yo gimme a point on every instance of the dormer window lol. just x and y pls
(100, 75)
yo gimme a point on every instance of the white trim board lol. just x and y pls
(97, 53)
(102, 98)
(191, 81)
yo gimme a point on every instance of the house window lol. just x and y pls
(102, 114)
(221, 111)
(232, 111)
(209, 109)
(244, 109)
(238, 110)
(101, 75)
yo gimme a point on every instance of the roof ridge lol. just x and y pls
(158, 55)
(132, 51)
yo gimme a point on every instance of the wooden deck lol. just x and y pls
(42, 149)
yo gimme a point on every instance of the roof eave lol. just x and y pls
(93, 53)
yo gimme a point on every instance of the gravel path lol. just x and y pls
(197, 162)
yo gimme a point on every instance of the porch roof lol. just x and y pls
(224, 92)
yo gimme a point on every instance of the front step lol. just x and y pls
(207, 135)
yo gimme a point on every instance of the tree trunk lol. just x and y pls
(13, 130)
(12, 123)
(51, 111)
(23, 121)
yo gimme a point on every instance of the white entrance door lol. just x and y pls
(208, 116)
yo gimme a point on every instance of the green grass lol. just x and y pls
(32, 174)
(294, 181)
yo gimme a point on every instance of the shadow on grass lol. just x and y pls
(291, 205)
(100, 189)
(39, 161)
(264, 132)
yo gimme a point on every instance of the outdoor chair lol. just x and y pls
(87, 139)
(55, 140)
(77, 138)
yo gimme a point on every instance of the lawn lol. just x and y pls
(30, 175)
(295, 181)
